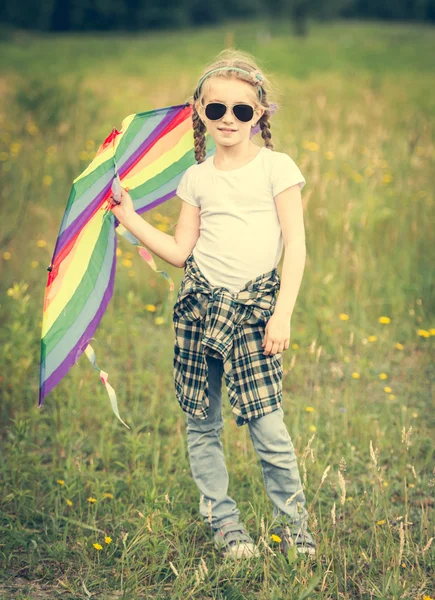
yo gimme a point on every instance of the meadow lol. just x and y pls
(89, 509)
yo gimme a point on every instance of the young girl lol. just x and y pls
(232, 314)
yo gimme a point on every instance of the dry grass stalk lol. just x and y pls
(342, 487)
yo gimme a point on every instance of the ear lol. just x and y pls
(200, 111)
(259, 111)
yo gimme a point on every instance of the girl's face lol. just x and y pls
(229, 92)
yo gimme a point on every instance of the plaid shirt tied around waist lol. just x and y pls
(229, 326)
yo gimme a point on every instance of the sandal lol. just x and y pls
(235, 541)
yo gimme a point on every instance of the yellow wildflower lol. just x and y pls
(128, 255)
(295, 346)
(34, 264)
(372, 338)
(41, 243)
(344, 316)
(68, 502)
(47, 180)
(384, 320)
(159, 320)
(7, 255)
(381, 522)
(356, 375)
(432, 331)
(411, 485)
(383, 376)
(312, 428)
(275, 538)
(387, 389)
(309, 409)
(32, 128)
(92, 500)
(385, 483)
(107, 495)
(329, 155)
(108, 539)
(118, 252)
(399, 346)
(392, 397)
(313, 146)
(150, 307)
(423, 333)
(127, 262)
(60, 481)
(15, 148)
(97, 546)
(388, 178)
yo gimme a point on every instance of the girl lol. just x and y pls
(240, 207)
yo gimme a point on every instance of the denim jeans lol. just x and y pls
(275, 450)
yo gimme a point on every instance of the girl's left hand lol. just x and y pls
(277, 334)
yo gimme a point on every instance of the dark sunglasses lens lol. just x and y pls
(215, 111)
(243, 112)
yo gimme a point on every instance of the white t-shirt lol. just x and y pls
(240, 234)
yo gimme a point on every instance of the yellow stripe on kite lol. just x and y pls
(72, 277)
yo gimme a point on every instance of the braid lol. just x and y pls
(264, 123)
(199, 140)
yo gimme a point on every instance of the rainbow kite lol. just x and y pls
(149, 155)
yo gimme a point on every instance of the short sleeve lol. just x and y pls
(284, 173)
(186, 188)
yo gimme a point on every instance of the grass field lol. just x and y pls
(89, 509)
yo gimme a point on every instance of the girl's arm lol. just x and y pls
(173, 249)
(290, 213)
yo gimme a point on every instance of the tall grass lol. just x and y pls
(89, 509)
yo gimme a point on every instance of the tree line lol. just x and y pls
(137, 15)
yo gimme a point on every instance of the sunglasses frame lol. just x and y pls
(232, 110)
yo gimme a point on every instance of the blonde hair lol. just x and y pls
(241, 60)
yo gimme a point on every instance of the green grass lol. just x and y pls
(357, 116)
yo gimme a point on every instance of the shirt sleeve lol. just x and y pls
(285, 173)
(186, 189)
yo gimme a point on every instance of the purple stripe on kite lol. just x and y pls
(79, 348)
(147, 142)
(82, 219)
(156, 202)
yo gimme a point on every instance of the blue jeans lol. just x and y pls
(273, 445)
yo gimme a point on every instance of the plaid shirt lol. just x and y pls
(229, 326)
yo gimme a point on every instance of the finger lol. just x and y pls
(268, 347)
(274, 347)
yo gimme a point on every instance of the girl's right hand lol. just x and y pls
(125, 209)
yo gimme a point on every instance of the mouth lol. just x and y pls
(227, 130)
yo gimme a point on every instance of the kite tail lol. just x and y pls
(144, 253)
(90, 353)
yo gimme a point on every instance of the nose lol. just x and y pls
(228, 116)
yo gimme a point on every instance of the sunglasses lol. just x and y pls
(216, 110)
